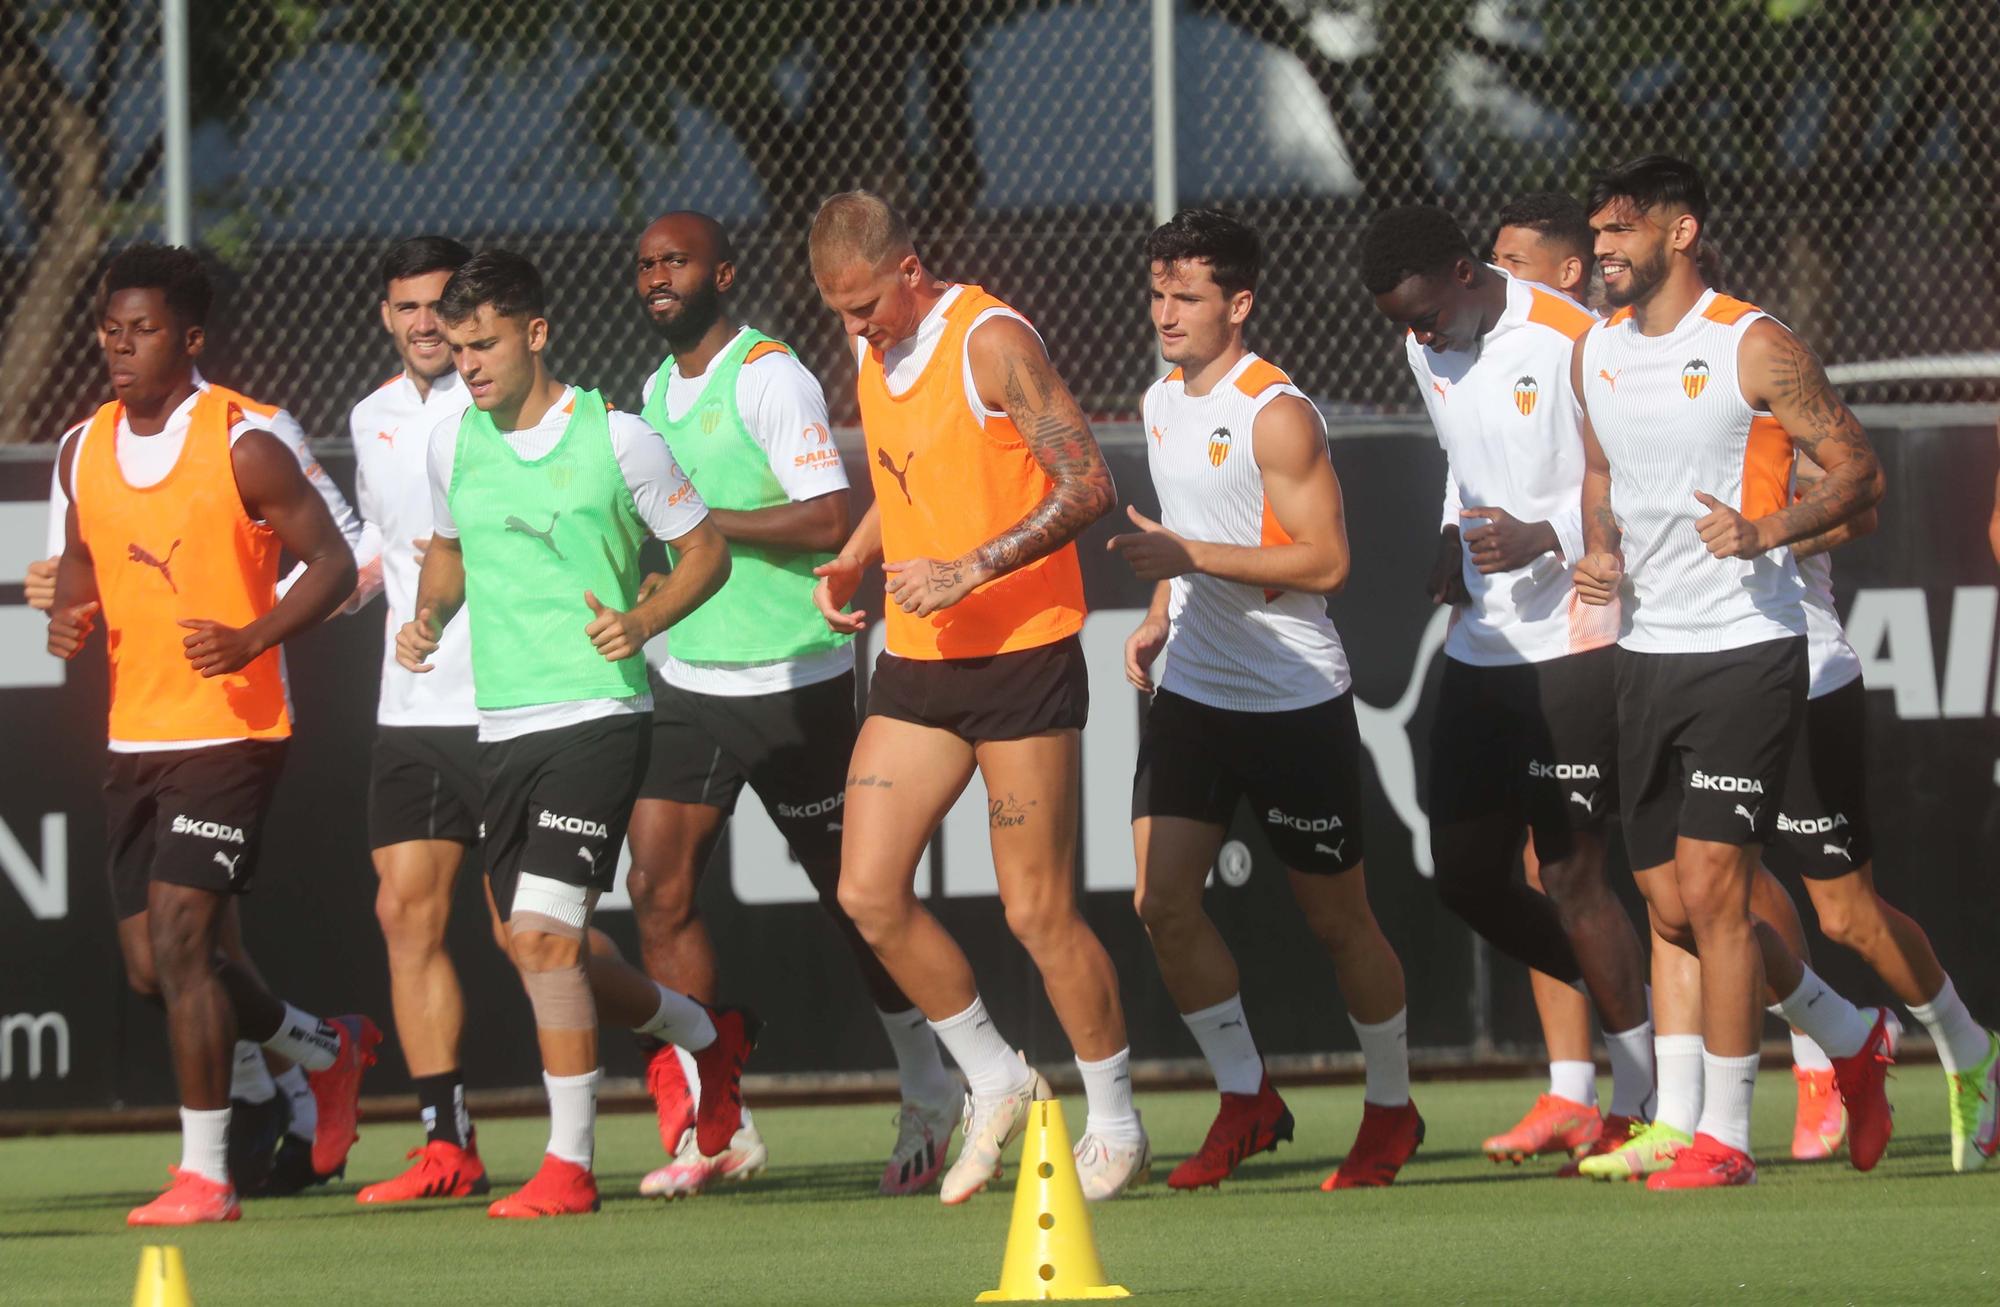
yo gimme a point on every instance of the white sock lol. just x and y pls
(1836, 1024)
(1807, 1055)
(1224, 1035)
(1962, 1043)
(1385, 1049)
(250, 1078)
(1107, 1087)
(573, 1116)
(919, 1062)
(1576, 1081)
(991, 1065)
(1727, 1085)
(1677, 1060)
(305, 1108)
(205, 1143)
(1632, 1077)
(680, 1021)
(305, 1039)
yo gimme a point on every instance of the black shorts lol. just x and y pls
(1823, 829)
(1703, 743)
(191, 817)
(1008, 696)
(558, 801)
(1532, 744)
(791, 747)
(1300, 770)
(423, 784)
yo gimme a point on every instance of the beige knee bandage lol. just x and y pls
(561, 998)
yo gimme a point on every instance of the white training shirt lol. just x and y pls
(1507, 420)
(146, 460)
(1831, 658)
(784, 410)
(1230, 645)
(903, 363)
(1670, 414)
(391, 433)
(667, 505)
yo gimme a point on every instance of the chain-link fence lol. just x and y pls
(1853, 151)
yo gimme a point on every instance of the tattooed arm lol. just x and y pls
(1012, 373)
(1805, 475)
(1601, 570)
(1781, 375)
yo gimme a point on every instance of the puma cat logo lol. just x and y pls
(546, 537)
(138, 554)
(1610, 379)
(901, 474)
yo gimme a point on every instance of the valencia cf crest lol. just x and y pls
(1694, 377)
(1218, 445)
(1525, 392)
(711, 419)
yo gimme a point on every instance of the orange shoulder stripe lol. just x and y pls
(1550, 310)
(763, 347)
(1177, 375)
(1619, 316)
(1260, 377)
(1727, 310)
(390, 382)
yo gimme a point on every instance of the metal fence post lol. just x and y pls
(176, 175)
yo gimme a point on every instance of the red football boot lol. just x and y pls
(337, 1092)
(190, 1200)
(1616, 1133)
(1707, 1163)
(1553, 1125)
(443, 1170)
(1247, 1125)
(1388, 1136)
(1864, 1090)
(720, 1067)
(559, 1189)
(1820, 1125)
(672, 1103)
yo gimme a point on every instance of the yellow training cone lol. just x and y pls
(1050, 1250)
(163, 1281)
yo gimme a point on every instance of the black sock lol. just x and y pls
(442, 1100)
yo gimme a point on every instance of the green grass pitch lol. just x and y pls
(1454, 1229)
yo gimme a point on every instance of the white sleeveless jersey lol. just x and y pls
(1832, 659)
(1670, 414)
(1505, 416)
(1233, 646)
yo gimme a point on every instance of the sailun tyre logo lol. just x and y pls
(573, 825)
(208, 830)
(1702, 780)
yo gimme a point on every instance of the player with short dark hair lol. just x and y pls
(1256, 701)
(1545, 237)
(179, 497)
(541, 496)
(1523, 741)
(423, 786)
(1695, 405)
(752, 688)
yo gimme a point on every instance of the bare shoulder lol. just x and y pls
(1000, 338)
(1289, 434)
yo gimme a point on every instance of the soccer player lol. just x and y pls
(179, 499)
(540, 497)
(1695, 404)
(1524, 738)
(752, 687)
(1255, 703)
(985, 471)
(423, 786)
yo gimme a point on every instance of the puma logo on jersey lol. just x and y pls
(1749, 814)
(138, 554)
(227, 863)
(1159, 436)
(1333, 852)
(1610, 379)
(572, 825)
(1830, 849)
(1694, 377)
(386, 437)
(207, 830)
(1443, 394)
(901, 474)
(589, 858)
(547, 537)
(1589, 803)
